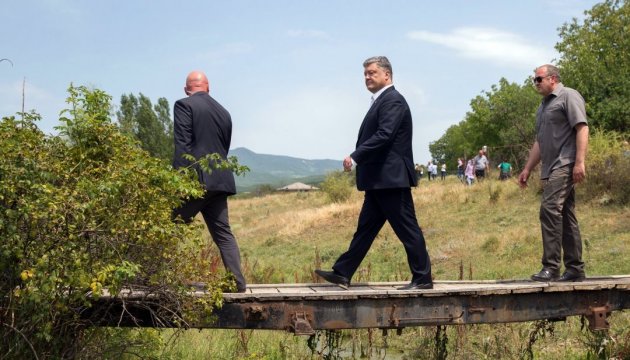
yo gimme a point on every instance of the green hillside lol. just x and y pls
(278, 170)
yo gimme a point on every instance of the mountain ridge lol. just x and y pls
(279, 170)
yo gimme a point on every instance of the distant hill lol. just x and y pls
(278, 170)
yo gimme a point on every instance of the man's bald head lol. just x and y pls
(196, 82)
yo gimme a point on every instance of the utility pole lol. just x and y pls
(23, 86)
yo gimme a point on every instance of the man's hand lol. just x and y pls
(347, 164)
(579, 173)
(522, 178)
(532, 161)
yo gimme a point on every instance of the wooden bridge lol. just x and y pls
(304, 308)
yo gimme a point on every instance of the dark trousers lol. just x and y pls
(396, 207)
(214, 208)
(560, 230)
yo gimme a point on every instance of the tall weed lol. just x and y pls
(608, 161)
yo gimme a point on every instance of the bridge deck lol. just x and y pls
(304, 308)
(324, 291)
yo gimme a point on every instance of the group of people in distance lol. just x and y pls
(467, 170)
(385, 171)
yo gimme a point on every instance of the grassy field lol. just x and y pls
(491, 228)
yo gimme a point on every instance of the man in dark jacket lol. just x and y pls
(385, 171)
(202, 127)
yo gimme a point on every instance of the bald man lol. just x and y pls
(203, 126)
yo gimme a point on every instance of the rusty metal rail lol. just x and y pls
(304, 308)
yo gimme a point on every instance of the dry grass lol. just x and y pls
(491, 227)
(287, 215)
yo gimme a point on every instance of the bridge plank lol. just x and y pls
(443, 288)
(326, 291)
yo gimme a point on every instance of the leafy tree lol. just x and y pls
(127, 114)
(163, 112)
(83, 212)
(150, 125)
(452, 145)
(502, 119)
(595, 60)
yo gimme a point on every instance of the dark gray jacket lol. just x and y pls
(203, 126)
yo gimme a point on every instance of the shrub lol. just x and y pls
(494, 192)
(338, 186)
(607, 175)
(264, 189)
(81, 212)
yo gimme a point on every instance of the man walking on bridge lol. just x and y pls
(561, 142)
(385, 171)
(202, 127)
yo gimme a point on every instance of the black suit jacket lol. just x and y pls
(202, 126)
(383, 152)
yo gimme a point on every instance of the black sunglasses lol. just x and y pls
(539, 79)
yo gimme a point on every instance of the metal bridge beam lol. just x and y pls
(304, 308)
(393, 313)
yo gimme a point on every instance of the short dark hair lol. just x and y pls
(552, 71)
(380, 61)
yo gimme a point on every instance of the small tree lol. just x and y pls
(150, 124)
(85, 211)
(338, 186)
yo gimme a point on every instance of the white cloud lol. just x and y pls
(415, 95)
(311, 34)
(500, 47)
(567, 9)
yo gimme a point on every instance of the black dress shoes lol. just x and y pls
(545, 275)
(416, 286)
(331, 277)
(570, 276)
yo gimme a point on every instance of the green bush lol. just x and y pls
(81, 212)
(338, 186)
(264, 189)
(607, 164)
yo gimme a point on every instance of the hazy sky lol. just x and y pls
(289, 72)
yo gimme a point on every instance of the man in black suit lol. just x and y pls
(203, 126)
(385, 171)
